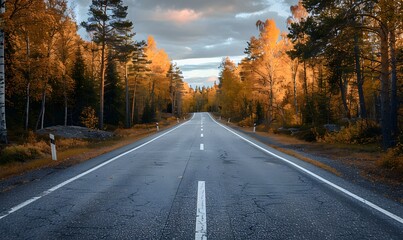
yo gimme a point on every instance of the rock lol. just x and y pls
(76, 132)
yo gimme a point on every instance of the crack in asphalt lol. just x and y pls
(176, 192)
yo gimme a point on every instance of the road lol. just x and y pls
(199, 180)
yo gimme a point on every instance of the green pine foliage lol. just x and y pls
(114, 95)
(84, 91)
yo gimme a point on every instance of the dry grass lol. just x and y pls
(288, 140)
(308, 160)
(369, 159)
(392, 162)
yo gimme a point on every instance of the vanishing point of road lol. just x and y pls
(198, 180)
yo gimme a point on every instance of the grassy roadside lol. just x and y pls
(77, 153)
(366, 158)
(308, 160)
(284, 141)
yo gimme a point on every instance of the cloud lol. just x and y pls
(199, 33)
(249, 15)
(203, 71)
(228, 41)
(212, 79)
(181, 16)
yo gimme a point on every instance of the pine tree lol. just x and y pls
(113, 94)
(85, 95)
(139, 71)
(124, 51)
(175, 86)
(108, 25)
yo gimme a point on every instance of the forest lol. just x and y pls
(55, 77)
(335, 75)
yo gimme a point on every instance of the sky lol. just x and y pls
(198, 34)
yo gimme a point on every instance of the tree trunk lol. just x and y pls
(27, 105)
(271, 100)
(385, 88)
(394, 98)
(360, 80)
(173, 103)
(305, 80)
(28, 88)
(343, 91)
(127, 117)
(65, 96)
(3, 128)
(102, 87)
(43, 107)
(134, 98)
(41, 117)
(294, 69)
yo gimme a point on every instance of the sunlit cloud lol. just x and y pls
(279, 7)
(249, 15)
(228, 41)
(203, 71)
(212, 79)
(181, 16)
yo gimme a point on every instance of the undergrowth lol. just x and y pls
(393, 161)
(35, 149)
(360, 132)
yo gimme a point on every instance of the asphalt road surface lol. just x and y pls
(199, 180)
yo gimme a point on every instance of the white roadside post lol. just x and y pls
(229, 120)
(177, 120)
(53, 146)
(158, 128)
(254, 127)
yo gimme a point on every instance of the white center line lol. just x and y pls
(202, 129)
(201, 146)
(201, 135)
(201, 216)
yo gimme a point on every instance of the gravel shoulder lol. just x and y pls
(353, 165)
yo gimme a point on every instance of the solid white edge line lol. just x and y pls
(201, 146)
(345, 191)
(201, 213)
(29, 201)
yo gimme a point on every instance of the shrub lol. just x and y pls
(360, 132)
(306, 135)
(247, 122)
(393, 160)
(63, 144)
(88, 118)
(20, 153)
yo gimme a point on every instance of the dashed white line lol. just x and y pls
(201, 146)
(201, 135)
(201, 215)
(335, 186)
(202, 129)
